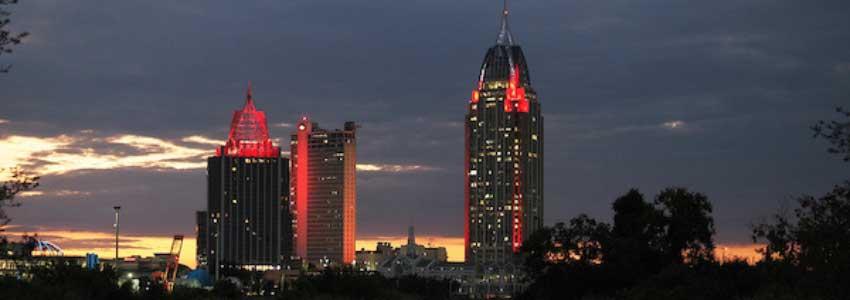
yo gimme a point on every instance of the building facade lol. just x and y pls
(323, 190)
(504, 156)
(247, 221)
(202, 219)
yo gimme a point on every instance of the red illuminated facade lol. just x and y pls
(503, 156)
(249, 134)
(324, 188)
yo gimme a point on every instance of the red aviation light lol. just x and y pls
(517, 213)
(249, 134)
(476, 94)
(515, 93)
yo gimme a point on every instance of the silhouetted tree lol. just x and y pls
(635, 249)
(688, 225)
(226, 289)
(18, 182)
(345, 283)
(64, 281)
(706, 280)
(588, 258)
(7, 38)
(538, 247)
(814, 241)
(583, 240)
(580, 242)
(564, 260)
(837, 132)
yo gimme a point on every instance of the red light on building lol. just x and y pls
(249, 136)
(515, 93)
(517, 215)
(476, 94)
(301, 168)
(324, 188)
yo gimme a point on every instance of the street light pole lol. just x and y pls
(117, 210)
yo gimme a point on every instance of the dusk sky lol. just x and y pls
(118, 102)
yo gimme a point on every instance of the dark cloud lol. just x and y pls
(745, 78)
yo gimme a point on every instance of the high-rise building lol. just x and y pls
(201, 230)
(504, 156)
(247, 224)
(323, 189)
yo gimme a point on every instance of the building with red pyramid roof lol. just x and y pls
(247, 224)
(249, 133)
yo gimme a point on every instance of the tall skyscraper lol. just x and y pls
(247, 222)
(324, 191)
(504, 156)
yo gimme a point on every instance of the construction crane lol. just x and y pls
(172, 264)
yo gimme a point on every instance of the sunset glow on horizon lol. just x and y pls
(78, 243)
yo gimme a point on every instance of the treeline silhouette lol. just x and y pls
(68, 281)
(664, 249)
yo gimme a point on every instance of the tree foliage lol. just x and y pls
(348, 284)
(19, 181)
(591, 258)
(837, 132)
(64, 281)
(636, 244)
(688, 225)
(815, 239)
(8, 38)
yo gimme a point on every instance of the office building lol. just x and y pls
(247, 221)
(504, 156)
(323, 189)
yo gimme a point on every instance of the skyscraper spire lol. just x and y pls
(249, 98)
(505, 37)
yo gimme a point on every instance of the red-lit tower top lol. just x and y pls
(249, 133)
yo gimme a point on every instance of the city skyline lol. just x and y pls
(622, 111)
